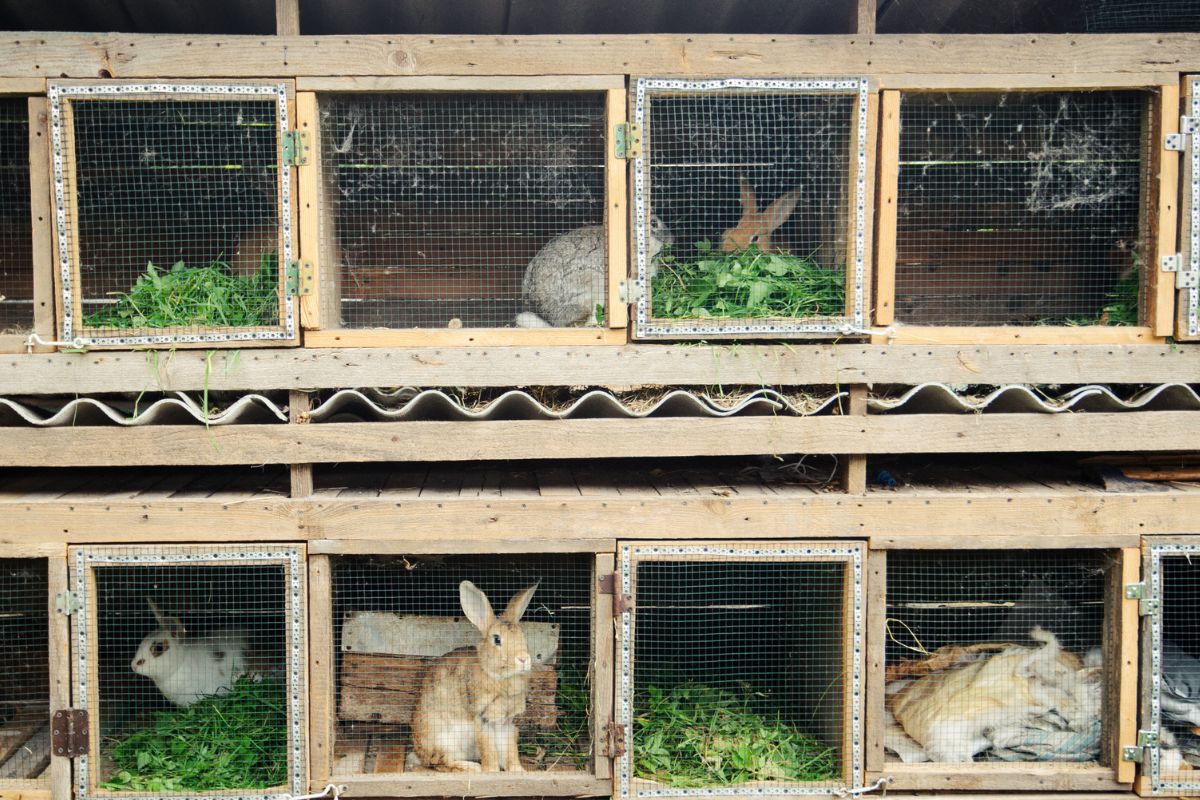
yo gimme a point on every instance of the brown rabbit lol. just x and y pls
(469, 698)
(755, 227)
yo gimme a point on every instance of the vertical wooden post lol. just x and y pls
(320, 671)
(862, 17)
(287, 17)
(317, 310)
(854, 467)
(616, 216)
(1164, 188)
(42, 215)
(59, 657)
(299, 404)
(1121, 660)
(876, 635)
(602, 665)
(886, 218)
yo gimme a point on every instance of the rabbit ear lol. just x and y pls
(172, 625)
(475, 605)
(749, 203)
(778, 212)
(520, 602)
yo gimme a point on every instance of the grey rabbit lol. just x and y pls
(565, 281)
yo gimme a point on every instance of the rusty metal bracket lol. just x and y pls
(69, 733)
(616, 740)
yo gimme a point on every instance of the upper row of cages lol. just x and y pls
(570, 210)
(674, 669)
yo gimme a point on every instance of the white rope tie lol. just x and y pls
(331, 791)
(880, 784)
(78, 343)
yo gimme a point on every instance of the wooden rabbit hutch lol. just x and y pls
(528, 399)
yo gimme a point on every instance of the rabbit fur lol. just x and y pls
(566, 280)
(186, 669)
(755, 227)
(953, 713)
(469, 698)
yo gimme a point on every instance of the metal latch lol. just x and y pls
(1147, 605)
(69, 733)
(630, 291)
(616, 740)
(1135, 753)
(301, 278)
(628, 140)
(296, 147)
(67, 603)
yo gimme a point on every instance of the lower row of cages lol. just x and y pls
(748, 210)
(700, 668)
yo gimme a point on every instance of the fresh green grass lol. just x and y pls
(1122, 301)
(745, 284)
(567, 745)
(210, 296)
(236, 741)
(693, 736)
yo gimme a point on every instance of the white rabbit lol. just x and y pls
(188, 669)
(464, 719)
(566, 280)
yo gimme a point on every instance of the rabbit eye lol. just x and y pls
(158, 648)
(496, 639)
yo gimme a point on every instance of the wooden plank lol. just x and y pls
(886, 215)
(603, 664)
(474, 784)
(170, 445)
(42, 215)
(287, 17)
(1001, 82)
(160, 56)
(1022, 776)
(1163, 212)
(462, 83)
(300, 475)
(17, 793)
(461, 337)
(616, 191)
(854, 467)
(875, 604)
(321, 655)
(21, 548)
(697, 365)
(1030, 335)
(58, 654)
(434, 546)
(311, 209)
(22, 86)
(863, 20)
(1121, 672)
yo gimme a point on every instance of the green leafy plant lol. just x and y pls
(567, 744)
(1123, 301)
(183, 296)
(235, 741)
(693, 735)
(745, 284)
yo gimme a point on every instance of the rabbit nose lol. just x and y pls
(523, 661)
(139, 662)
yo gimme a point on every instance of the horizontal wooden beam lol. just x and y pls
(82, 55)
(449, 784)
(183, 445)
(995, 518)
(661, 365)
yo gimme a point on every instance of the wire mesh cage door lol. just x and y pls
(1170, 668)
(465, 667)
(173, 212)
(739, 668)
(452, 211)
(750, 207)
(190, 661)
(1005, 670)
(25, 668)
(1031, 208)
(1187, 269)
(16, 237)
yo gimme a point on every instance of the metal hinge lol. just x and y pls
(301, 278)
(628, 139)
(296, 148)
(616, 740)
(622, 602)
(1184, 278)
(1147, 605)
(1187, 124)
(630, 292)
(606, 584)
(69, 733)
(67, 603)
(1136, 753)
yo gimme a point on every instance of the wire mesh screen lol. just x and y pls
(16, 237)
(995, 656)
(1175, 581)
(453, 663)
(171, 215)
(1141, 16)
(192, 669)
(466, 209)
(24, 670)
(749, 205)
(741, 673)
(1022, 208)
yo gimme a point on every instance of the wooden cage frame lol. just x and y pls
(851, 554)
(320, 314)
(1160, 219)
(84, 559)
(1187, 269)
(323, 699)
(1120, 695)
(67, 276)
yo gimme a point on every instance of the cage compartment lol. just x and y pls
(1170, 665)
(448, 210)
(16, 236)
(1022, 208)
(1001, 665)
(173, 212)
(24, 673)
(1187, 281)
(750, 207)
(395, 619)
(740, 668)
(190, 663)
